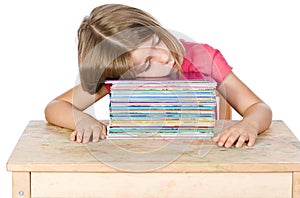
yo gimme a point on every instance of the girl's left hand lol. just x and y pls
(237, 134)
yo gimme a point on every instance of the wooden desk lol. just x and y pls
(45, 164)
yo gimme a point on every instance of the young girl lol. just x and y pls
(117, 41)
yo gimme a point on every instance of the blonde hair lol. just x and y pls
(106, 38)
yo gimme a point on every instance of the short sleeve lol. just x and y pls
(108, 87)
(205, 59)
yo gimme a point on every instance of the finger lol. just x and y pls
(87, 135)
(223, 136)
(73, 136)
(252, 139)
(96, 133)
(216, 138)
(243, 137)
(232, 139)
(103, 132)
(79, 135)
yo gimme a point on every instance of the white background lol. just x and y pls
(259, 39)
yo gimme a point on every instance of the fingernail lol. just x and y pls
(220, 144)
(94, 140)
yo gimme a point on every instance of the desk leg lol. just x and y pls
(296, 185)
(21, 184)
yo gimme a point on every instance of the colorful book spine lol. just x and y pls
(182, 107)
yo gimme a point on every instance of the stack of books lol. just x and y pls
(180, 105)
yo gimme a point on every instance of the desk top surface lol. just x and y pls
(44, 147)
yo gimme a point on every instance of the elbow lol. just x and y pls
(270, 113)
(53, 110)
(260, 115)
(266, 114)
(48, 111)
(267, 110)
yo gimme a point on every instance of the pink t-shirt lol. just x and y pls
(204, 59)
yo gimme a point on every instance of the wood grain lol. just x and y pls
(45, 147)
(21, 185)
(162, 185)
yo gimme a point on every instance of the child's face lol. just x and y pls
(152, 59)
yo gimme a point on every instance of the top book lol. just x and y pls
(174, 77)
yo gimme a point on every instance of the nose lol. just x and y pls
(160, 56)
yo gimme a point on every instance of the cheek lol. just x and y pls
(138, 56)
(156, 71)
(134, 61)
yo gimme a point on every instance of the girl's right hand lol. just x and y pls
(88, 128)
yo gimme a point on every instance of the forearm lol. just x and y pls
(64, 114)
(259, 116)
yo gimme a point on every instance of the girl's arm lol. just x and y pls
(257, 115)
(67, 111)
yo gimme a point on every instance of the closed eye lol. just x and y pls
(147, 65)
